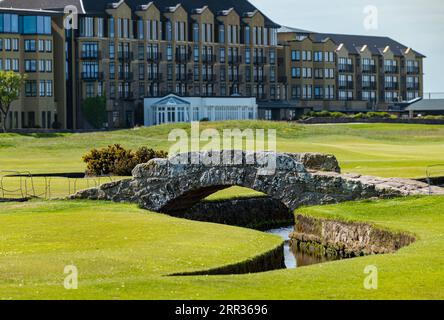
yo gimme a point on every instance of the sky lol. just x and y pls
(414, 23)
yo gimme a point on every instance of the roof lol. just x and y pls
(285, 29)
(427, 105)
(354, 43)
(171, 100)
(375, 44)
(242, 7)
(58, 5)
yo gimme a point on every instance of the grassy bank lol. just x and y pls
(110, 244)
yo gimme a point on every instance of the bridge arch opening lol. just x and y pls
(232, 205)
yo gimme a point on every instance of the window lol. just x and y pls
(125, 28)
(48, 45)
(15, 44)
(41, 45)
(30, 45)
(268, 114)
(15, 65)
(35, 25)
(295, 73)
(48, 65)
(169, 31)
(9, 23)
(30, 65)
(247, 55)
(221, 33)
(295, 55)
(318, 56)
(247, 35)
(222, 55)
(42, 88)
(141, 71)
(7, 64)
(195, 32)
(170, 53)
(90, 70)
(31, 88)
(140, 29)
(112, 50)
(111, 28)
(272, 56)
(273, 37)
(7, 44)
(90, 50)
(89, 90)
(42, 66)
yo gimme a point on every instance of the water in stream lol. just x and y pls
(295, 258)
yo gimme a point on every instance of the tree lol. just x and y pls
(10, 85)
(94, 111)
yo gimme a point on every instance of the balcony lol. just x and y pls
(391, 86)
(346, 85)
(209, 78)
(126, 96)
(181, 77)
(369, 86)
(260, 60)
(154, 57)
(91, 76)
(346, 68)
(412, 70)
(209, 59)
(234, 59)
(413, 86)
(368, 69)
(155, 77)
(126, 76)
(235, 78)
(182, 57)
(391, 69)
(260, 79)
(125, 55)
(90, 55)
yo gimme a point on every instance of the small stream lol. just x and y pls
(295, 258)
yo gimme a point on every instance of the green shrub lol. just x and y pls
(359, 115)
(323, 114)
(94, 111)
(117, 160)
(383, 115)
(433, 117)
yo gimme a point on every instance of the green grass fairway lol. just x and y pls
(110, 244)
(124, 253)
(391, 150)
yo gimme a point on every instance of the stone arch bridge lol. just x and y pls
(165, 185)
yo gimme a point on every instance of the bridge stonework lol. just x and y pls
(163, 185)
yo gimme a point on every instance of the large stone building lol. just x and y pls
(129, 50)
(344, 73)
